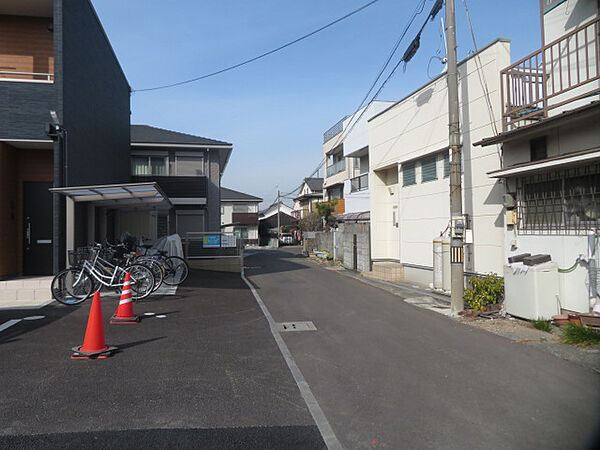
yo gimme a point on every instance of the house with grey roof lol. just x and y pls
(239, 214)
(188, 169)
(310, 193)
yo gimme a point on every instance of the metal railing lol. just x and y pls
(559, 73)
(359, 183)
(33, 76)
(337, 167)
(334, 130)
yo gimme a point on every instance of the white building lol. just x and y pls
(346, 152)
(551, 146)
(310, 193)
(409, 172)
(239, 214)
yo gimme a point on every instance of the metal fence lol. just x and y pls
(212, 245)
(559, 73)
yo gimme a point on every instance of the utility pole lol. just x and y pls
(278, 219)
(457, 224)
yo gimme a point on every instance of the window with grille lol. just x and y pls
(429, 169)
(560, 202)
(408, 174)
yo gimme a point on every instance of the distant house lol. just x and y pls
(310, 193)
(267, 219)
(239, 214)
(188, 170)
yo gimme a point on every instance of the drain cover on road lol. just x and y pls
(296, 326)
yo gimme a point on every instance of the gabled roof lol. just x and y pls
(314, 184)
(229, 195)
(145, 134)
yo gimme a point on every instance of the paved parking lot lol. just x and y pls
(208, 375)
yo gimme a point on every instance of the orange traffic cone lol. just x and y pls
(93, 343)
(124, 313)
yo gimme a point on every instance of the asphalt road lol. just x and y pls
(209, 375)
(390, 375)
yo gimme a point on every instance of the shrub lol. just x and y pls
(484, 291)
(542, 325)
(579, 335)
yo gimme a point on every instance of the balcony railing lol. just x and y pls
(359, 183)
(334, 130)
(337, 167)
(561, 72)
(26, 76)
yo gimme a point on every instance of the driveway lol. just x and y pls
(208, 375)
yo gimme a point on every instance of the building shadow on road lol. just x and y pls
(28, 320)
(286, 259)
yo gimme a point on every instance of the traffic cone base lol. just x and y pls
(94, 345)
(124, 313)
(103, 354)
(114, 320)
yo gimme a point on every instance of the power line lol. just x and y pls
(262, 55)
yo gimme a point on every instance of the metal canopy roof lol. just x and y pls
(116, 194)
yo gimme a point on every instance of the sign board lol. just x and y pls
(211, 241)
(549, 5)
(228, 240)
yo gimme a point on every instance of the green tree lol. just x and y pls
(326, 209)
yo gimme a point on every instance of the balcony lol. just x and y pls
(244, 218)
(360, 183)
(337, 167)
(26, 48)
(544, 82)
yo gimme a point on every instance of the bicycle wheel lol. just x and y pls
(157, 270)
(176, 270)
(142, 281)
(71, 286)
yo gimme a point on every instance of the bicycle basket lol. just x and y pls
(77, 257)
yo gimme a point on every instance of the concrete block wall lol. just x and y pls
(363, 245)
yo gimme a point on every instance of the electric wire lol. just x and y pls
(262, 55)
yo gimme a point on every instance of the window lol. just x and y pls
(429, 168)
(162, 226)
(241, 208)
(241, 232)
(446, 165)
(149, 165)
(408, 174)
(189, 165)
(537, 149)
(561, 202)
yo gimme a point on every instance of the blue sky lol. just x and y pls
(275, 110)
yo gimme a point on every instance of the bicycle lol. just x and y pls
(118, 253)
(74, 285)
(176, 269)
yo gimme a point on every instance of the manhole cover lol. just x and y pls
(296, 326)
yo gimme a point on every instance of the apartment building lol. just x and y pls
(55, 57)
(409, 173)
(550, 136)
(239, 215)
(346, 154)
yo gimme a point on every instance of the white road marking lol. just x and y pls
(34, 317)
(148, 313)
(160, 316)
(317, 413)
(9, 324)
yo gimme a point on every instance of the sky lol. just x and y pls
(275, 110)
